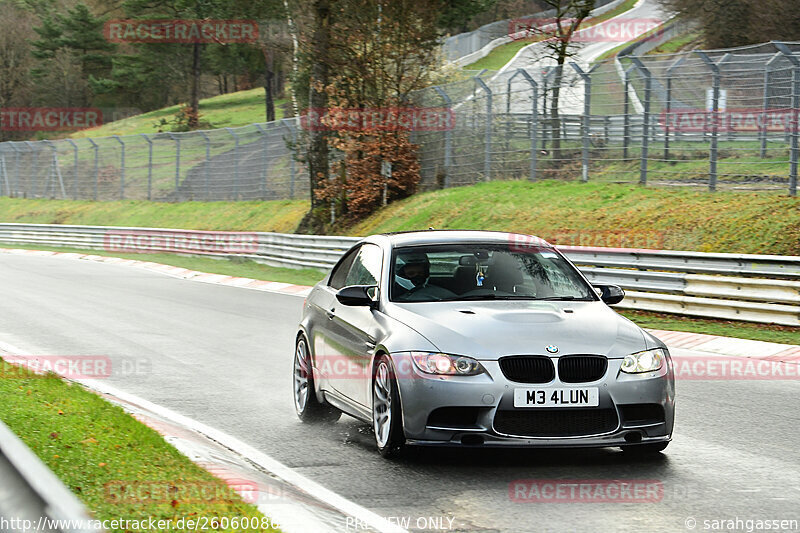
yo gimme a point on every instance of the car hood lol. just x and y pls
(493, 329)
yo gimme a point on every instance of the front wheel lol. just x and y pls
(387, 418)
(308, 408)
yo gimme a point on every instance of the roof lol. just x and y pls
(411, 238)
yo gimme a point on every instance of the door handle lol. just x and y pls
(331, 313)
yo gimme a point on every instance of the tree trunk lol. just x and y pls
(295, 54)
(269, 90)
(318, 100)
(555, 119)
(195, 97)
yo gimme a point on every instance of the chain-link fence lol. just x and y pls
(254, 162)
(715, 118)
(725, 118)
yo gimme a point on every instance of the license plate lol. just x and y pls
(588, 397)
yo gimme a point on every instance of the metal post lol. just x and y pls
(715, 81)
(5, 173)
(122, 167)
(534, 119)
(149, 165)
(587, 116)
(668, 109)
(487, 156)
(57, 170)
(626, 117)
(264, 160)
(448, 137)
(96, 165)
(795, 108)
(33, 168)
(177, 162)
(235, 163)
(534, 116)
(51, 175)
(292, 162)
(74, 167)
(648, 86)
(762, 131)
(207, 169)
(16, 166)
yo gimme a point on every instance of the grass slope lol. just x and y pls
(281, 216)
(95, 447)
(224, 111)
(567, 212)
(677, 219)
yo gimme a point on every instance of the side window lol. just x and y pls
(339, 274)
(366, 269)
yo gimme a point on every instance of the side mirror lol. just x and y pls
(358, 295)
(611, 294)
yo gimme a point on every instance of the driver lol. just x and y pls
(415, 271)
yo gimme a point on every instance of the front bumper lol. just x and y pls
(491, 393)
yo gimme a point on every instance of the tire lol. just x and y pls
(644, 450)
(308, 408)
(387, 413)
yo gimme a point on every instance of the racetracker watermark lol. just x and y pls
(179, 492)
(199, 242)
(525, 243)
(72, 366)
(201, 31)
(586, 491)
(617, 30)
(731, 368)
(379, 119)
(652, 239)
(49, 118)
(729, 120)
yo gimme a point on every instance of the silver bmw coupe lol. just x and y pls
(477, 338)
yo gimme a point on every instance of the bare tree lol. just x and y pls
(318, 97)
(558, 34)
(15, 56)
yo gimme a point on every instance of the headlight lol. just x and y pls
(646, 361)
(444, 364)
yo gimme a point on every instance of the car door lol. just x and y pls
(323, 305)
(352, 329)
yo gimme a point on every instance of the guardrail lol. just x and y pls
(32, 498)
(749, 287)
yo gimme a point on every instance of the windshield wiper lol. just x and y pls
(488, 296)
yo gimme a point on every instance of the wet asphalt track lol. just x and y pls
(223, 356)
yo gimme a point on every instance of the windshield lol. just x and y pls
(478, 271)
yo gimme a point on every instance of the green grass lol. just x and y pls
(674, 219)
(227, 110)
(687, 41)
(669, 218)
(280, 216)
(497, 58)
(725, 328)
(94, 447)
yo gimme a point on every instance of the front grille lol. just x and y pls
(642, 413)
(528, 369)
(556, 422)
(581, 368)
